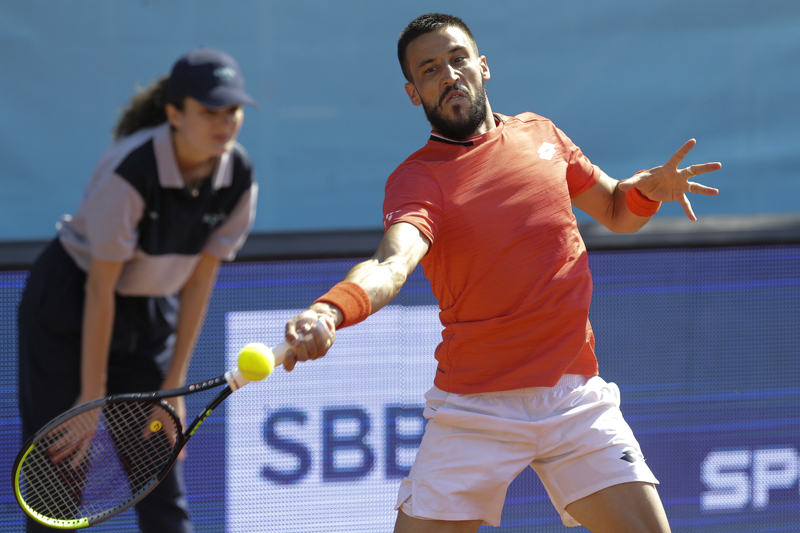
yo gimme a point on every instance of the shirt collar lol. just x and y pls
(169, 176)
(472, 141)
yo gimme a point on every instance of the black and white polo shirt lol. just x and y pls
(137, 209)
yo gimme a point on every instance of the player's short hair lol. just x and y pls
(426, 24)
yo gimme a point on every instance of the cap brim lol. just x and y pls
(225, 97)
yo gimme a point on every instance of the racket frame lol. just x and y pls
(233, 380)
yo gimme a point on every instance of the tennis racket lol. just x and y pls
(98, 459)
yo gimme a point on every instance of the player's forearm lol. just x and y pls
(381, 281)
(98, 322)
(190, 318)
(398, 254)
(607, 204)
(380, 278)
(623, 220)
(192, 311)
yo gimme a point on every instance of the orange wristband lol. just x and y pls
(639, 204)
(351, 300)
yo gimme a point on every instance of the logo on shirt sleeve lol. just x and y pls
(388, 218)
(547, 151)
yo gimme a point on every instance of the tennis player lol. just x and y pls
(115, 303)
(486, 207)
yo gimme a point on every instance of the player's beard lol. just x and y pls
(460, 128)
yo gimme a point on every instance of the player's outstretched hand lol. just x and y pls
(668, 183)
(310, 335)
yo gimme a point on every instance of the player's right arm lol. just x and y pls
(98, 323)
(381, 277)
(97, 327)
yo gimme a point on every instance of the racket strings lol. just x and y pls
(113, 454)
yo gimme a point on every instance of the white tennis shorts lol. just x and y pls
(572, 435)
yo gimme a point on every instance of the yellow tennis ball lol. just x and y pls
(256, 361)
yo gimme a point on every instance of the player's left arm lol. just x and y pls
(606, 202)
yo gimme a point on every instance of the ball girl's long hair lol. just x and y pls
(145, 110)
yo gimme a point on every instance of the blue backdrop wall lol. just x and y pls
(629, 81)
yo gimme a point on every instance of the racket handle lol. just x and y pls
(279, 352)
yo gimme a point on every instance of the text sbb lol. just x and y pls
(353, 442)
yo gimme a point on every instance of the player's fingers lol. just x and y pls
(58, 433)
(296, 327)
(326, 322)
(307, 347)
(289, 362)
(697, 188)
(59, 451)
(80, 454)
(323, 338)
(320, 347)
(687, 208)
(696, 170)
(65, 445)
(635, 181)
(678, 156)
(300, 352)
(291, 332)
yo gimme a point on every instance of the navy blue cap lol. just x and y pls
(209, 76)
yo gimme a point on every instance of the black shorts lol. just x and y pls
(50, 324)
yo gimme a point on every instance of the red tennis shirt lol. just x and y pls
(506, 261)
